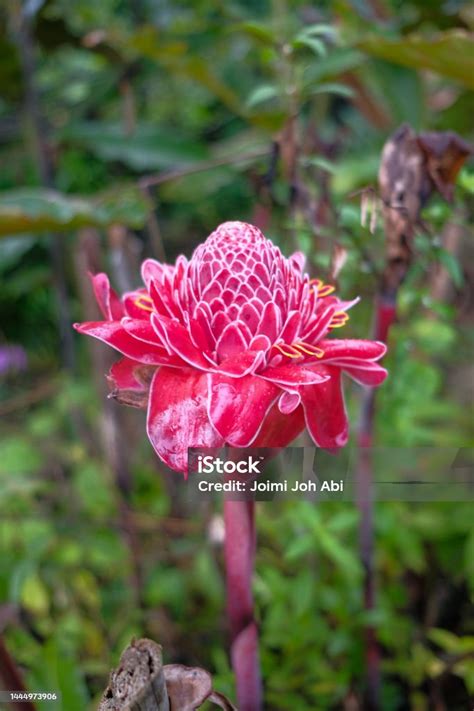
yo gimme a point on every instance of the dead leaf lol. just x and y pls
(188, 687)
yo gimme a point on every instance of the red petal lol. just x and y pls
(290, 329)
(238, 406)
(132, 309)
(270, 321)
(109, 302)
(351, 348)
(123, 374)
(280, 430)
(242, 364)
(177, 416)
(293, 375)
(231, 342)
(155, 271)
(325, 412)
(114, 334)
(375, 375)
(288, 402)
(142, 331)
(179, 341)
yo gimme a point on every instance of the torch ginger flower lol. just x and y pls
(232, 347)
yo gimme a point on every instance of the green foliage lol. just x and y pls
(448, 54)
(27, 210)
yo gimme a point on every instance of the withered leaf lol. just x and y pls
(132, 398)
(445, 153)
(188, 687)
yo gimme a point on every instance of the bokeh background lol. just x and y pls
(132, 129)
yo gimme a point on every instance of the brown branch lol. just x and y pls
(177, 173)
(25, 400)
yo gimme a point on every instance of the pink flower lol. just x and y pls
(232, 347)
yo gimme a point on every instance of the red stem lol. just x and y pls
(11, 678)
(239, 518)
(385, 312)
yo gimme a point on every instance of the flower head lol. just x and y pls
(233, 346)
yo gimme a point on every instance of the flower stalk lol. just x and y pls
(239, 551)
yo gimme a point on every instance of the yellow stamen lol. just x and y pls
(339, 319)
(322, 288)
(145, 306)
(326, 289)
(284, 352)
(308, 348)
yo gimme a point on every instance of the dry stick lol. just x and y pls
(11, 678)
(239, 551)
(27, 51)
(138, 684)
(183, 172)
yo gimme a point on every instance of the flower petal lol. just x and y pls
(137, 304)
(114, 334)
(373, 375)
(141, 330)
(238, 406)
(109, 302)
(294, 375)
(232, 341)
(335, 348)
(241, 364)
(324, 410)
(279, 430)
(123, 374)
(179, 341)
(177, 416)
(288, 402)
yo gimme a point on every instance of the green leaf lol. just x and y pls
(321, 29)
(316, 45)
(448, 53)
(319, 162)
(257, 31)
(338, 61)
(333, 88)
(31, 210)
(466, 181)
(261, 94)
(34, 595)
(451, 264)
(148, 148)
